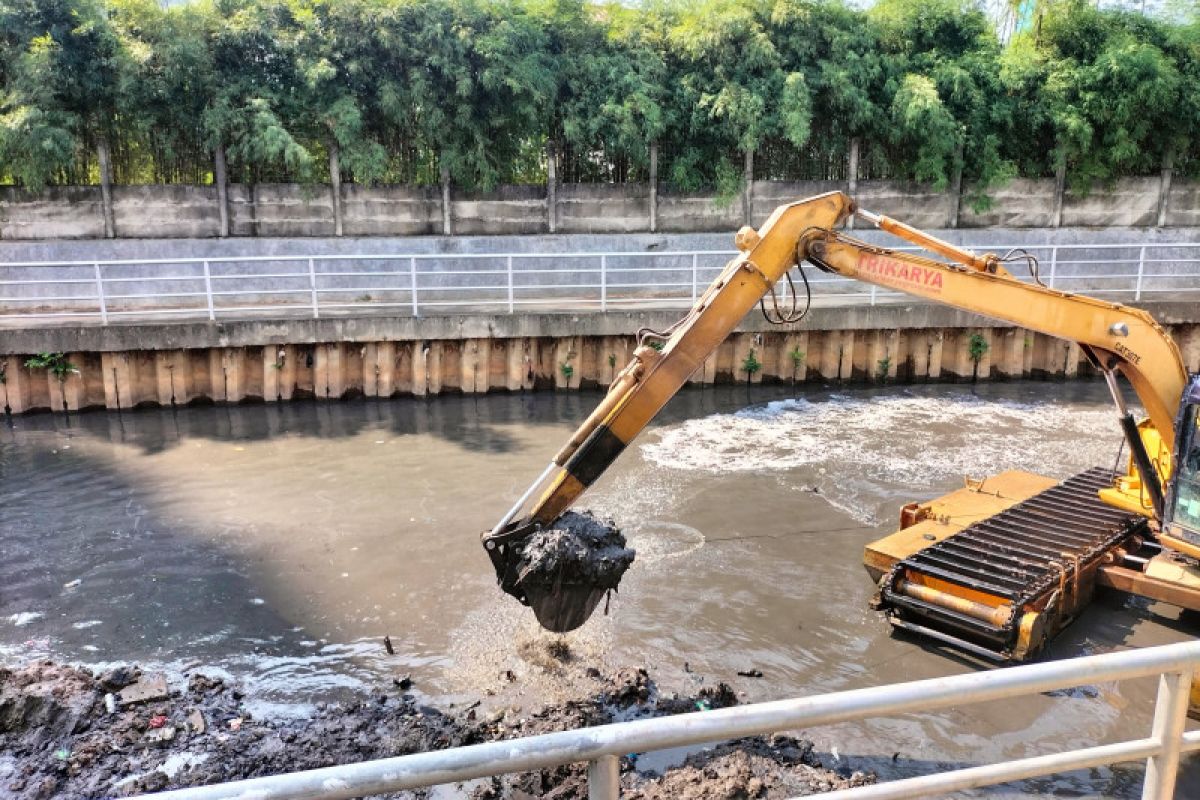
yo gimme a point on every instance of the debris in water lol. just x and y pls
(750, 673)
(548, 654)
(387, 644)
(161, 736)
(195, 721)
(565, 570)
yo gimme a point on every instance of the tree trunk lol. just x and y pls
(852, 176)
(551, 188)
(956, 186)
(335, 187)
(222, 182)
(1164, 185)
(1060, 189)
(653, 187)
(748, 189)
(102, 154)
(447, 227)
(252, 203)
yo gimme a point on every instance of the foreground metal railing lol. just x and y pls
(602, 746)
(236, 286)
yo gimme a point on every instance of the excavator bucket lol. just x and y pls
(563, 607)
(562, 571)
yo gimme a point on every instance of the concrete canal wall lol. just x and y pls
(123, 367)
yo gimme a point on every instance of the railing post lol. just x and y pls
(508, 266)
(1170, 717)
(412, 274)
(212, 314)
(604, 778)
(603, 283)
(695, 270)
(312, 286)
(1137, 292)
(1053, 264)
(100, 295)
(873, 289)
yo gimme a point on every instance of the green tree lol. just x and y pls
(62, 69)
(1114, 93)
(732, 93)
(837, 50)
(337, 61)
(610, 91)
(170, 85)
(254, 113)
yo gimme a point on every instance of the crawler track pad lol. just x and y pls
(1006, 584)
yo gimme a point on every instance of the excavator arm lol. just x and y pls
(1116, 338)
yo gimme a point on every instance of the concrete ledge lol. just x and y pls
(252, 333)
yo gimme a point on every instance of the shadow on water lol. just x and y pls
(115, 580)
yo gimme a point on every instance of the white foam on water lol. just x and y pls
(24, 618)
(860, 450)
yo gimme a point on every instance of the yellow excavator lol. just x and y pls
(996, 568)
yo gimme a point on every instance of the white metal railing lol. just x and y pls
(602, 746)
(232, 286)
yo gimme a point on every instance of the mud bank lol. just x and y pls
(66, 732)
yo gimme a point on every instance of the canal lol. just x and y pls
(281, 543)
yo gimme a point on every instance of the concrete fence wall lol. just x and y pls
(289, 210)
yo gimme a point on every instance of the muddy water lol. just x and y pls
(281, 543)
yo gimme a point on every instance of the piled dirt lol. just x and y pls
(60, 740)
(581, 549)
(775, 767)
(68, 733)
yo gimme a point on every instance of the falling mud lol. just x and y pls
(67, 732)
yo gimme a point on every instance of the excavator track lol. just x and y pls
(1004, 585)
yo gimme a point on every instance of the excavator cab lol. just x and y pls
(1181, 512)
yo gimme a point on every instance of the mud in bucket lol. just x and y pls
(565, 571)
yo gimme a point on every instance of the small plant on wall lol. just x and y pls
(58, 366)
(797, 357)
(566, 369)
(751, 364)
(55, 363)
(977, 347)
(882, 368)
